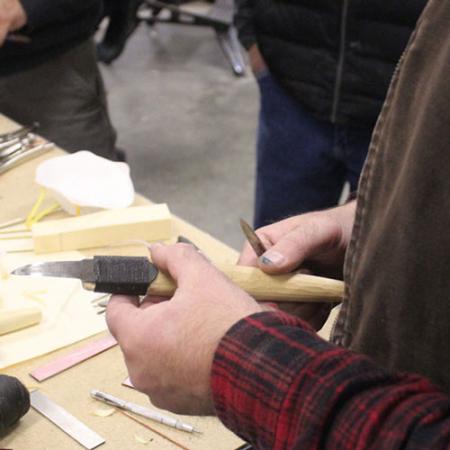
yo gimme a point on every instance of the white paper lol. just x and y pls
(68, 314)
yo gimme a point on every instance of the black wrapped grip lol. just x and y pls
(123, 274)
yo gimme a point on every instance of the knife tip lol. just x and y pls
(23, 270)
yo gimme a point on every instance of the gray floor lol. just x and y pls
(188, 126)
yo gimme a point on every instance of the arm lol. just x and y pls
(243, 20)
(278, 385)
(210, 349)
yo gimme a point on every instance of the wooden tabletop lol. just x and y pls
(106, 371)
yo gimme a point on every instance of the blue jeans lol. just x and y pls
(302, 162)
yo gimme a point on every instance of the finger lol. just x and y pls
(314, 236)
(152, 300)
(121, 315)
(3, 33)
(182, 261)
(248, 256)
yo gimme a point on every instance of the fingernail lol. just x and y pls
(272, 258)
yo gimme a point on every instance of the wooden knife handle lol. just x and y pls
(277, 288)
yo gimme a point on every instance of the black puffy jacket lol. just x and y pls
(336, 57)
(54, 26)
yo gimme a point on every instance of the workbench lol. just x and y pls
(105, 371)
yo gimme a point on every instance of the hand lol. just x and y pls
(169, 345)
(256, 60)
(12, 17)
(314, 242)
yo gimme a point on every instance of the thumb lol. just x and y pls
(306, 241)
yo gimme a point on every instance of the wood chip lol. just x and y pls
(142, 440)
(104, 412)
(35, 295)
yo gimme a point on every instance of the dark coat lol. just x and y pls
(54, 26)
(397, 269)
(335, 57)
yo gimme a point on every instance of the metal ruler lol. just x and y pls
(62, 419)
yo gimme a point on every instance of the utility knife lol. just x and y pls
(138, 276)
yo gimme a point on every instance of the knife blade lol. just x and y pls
(253, 239)
(138, 276)
(108, 274)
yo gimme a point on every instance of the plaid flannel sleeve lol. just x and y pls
(279, 386)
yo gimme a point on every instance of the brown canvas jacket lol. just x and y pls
(397, 269)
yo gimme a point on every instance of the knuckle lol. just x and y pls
(296, 239)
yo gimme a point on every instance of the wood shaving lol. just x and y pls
(35, 295)
(11, 223)
(15, 235)
(142, 440)
(104, 412)
(32, 387)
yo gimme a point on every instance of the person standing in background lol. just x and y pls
(323, 68)
(50, 74)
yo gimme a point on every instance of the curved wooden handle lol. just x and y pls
(277, 288)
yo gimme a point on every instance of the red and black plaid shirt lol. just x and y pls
(279, 386)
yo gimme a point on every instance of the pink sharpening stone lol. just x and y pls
(73, 358)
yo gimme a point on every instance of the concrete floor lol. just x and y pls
(187, 125)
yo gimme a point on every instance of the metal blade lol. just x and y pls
(252, 238)
(84, 269)
(62, 419)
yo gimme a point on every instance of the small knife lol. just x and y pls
(138, 276)
(253, 239)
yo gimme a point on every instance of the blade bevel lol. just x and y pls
(83, 270)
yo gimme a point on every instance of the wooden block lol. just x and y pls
(17, 319)
(100, 229)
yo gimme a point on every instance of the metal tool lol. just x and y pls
(253, 238)
(19, 146)
(142, 411)
(138, 276)
(19, 133)
(109, 274)
(185, 240)
(22, 155)
(62, 419)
